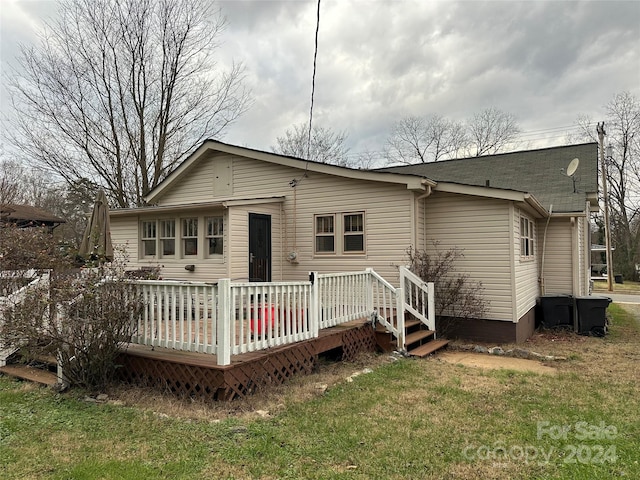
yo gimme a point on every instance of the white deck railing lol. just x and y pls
(418, 298)
(18, 295)
(230, 318)
(178, 315)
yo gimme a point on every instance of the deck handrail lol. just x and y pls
(418, 298)
(229, 318)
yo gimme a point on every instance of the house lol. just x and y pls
(238, 213)
(25, 216)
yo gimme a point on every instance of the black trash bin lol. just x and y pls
(592, 315)
(618, 279)
(557, 310)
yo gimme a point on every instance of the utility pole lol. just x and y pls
(605, 194)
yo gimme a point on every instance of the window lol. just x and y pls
(353, 225)
(189, 236)
(339, 233)
(325, 236)
(526, 237)
(215, 231)
(148, 238)
(167, 237)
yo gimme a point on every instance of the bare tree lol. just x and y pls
(623, 174)
(326, 145)
(490, 131)
(622, 165)
(10, 176)
(119, 91)
(21, 185)
(424, 139)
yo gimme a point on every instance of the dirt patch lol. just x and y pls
(493, 362)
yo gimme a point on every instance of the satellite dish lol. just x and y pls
(573, 166)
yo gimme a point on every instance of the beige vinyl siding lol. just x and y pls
(586, 251)
(557, 271)
(238, 244)
(480, 227)
(581, 260)
(421, 227)
(196, 185)
(526, 269)
(124, 237)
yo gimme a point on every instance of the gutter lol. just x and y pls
(536, 205)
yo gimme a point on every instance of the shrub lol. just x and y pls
(82, 316)
(456, 296)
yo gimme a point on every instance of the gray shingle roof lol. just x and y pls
(538, 172)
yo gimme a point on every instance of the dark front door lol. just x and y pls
(259, 247)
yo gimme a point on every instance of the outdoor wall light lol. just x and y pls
(190, 268)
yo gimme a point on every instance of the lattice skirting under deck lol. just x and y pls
(243, 377)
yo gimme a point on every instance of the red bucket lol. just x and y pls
(261, 317)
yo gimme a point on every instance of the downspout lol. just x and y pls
(424, 214)
(544, 247)
(575, 257)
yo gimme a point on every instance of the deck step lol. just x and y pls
(26, 372)
(412, 323)
(428, 348)
(416, 337)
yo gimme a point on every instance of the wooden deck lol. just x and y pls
(198, 375)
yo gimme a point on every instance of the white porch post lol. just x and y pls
(58, 326)
(432, 307)
(400, 316)
(369, 287)
(314, 314)
(223, 339)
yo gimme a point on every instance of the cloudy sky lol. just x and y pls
(379, 61)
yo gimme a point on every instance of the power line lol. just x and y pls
(313, 81)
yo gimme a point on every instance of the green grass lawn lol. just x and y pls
(626, 287)
(409, 419)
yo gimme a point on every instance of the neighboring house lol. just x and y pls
(25, 216)
(233, 212)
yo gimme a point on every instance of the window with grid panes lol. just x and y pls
(167, 237)
(325, 234)
(526, 238)
(148, 238)
(189, 236)
(353, 226)
(215, 235)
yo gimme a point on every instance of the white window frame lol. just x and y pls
(211, 233)
(146, 227)
(317, 234)
(339, 234)
(189, 232)
(527, 238)
(165, 235)
(346, 234)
